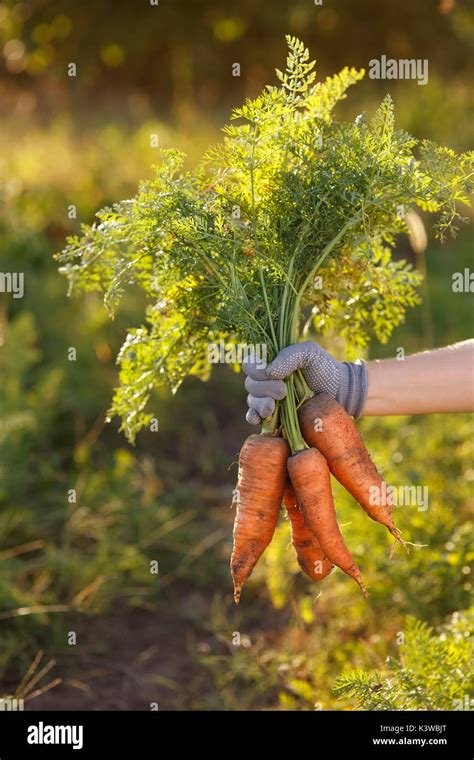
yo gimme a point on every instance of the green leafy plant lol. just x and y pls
(432, 672)
(233, 249)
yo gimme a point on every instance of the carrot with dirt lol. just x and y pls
(309, 554)
(310, 478)
(327, 426)
(259, 493)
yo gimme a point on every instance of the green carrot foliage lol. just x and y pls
(293, 214)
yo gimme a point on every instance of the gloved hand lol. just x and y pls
(344, 381)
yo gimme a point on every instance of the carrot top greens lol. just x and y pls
(232, 249)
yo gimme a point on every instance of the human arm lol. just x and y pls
(439, 380)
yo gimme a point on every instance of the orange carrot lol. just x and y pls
(327, 426)
(309, 554)
(310, 478)
(259, 493)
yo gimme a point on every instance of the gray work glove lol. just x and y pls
(344, 381)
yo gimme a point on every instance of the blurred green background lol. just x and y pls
(84, 623)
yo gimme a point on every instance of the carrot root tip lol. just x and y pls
(364, 590)
(361, 584)
(237, 592)
(398, 537)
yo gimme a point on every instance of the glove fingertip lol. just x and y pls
(252, 417)
(274, 371)
(280, 390)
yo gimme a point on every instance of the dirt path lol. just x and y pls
(131, 659)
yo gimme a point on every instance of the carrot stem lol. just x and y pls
(270, 425)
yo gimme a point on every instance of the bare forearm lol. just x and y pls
(441, 380)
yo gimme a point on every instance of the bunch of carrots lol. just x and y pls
(269, 477)
(234, 250)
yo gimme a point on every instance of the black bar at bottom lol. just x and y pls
(137, 734)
